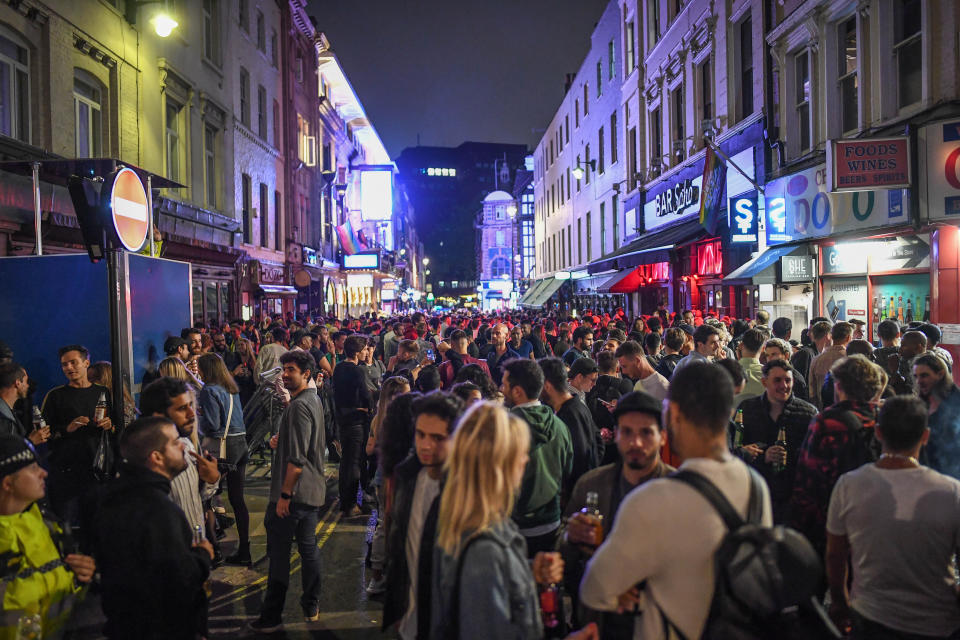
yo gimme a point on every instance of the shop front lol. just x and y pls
(265, 289)
(779, 281)
(310, 275)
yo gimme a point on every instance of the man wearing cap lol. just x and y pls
(39, 587)
(858, 326)
(639, 438)
(173, 347)
(582, 376)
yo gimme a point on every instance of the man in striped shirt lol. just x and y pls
(173, 399)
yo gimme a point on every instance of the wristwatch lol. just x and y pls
(286, 496)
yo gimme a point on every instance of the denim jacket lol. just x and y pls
(214, 402)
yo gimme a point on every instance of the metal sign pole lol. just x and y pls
(38, 244)
(116, 347)
(150, 216)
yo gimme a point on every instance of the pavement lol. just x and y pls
(346, 611)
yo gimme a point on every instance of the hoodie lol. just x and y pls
(547, 472)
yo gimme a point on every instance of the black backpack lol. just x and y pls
(766, 579)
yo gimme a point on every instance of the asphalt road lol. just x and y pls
(346, 612)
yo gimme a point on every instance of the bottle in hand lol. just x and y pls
(781, 442)
(101, 411)
(592, 511)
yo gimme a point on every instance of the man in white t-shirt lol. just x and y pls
(678, 530)
(634, 365)
(411, 526)
(899, 523)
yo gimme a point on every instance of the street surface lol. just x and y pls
(346, 612)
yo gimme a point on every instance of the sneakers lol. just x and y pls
(265, 625)
(377, 586)
(352, 512)
(312, 614)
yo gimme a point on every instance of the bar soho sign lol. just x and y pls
(870, 163)
(679, 201)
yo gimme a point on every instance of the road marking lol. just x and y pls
(247, 590)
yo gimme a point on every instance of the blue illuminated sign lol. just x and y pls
(744, 224)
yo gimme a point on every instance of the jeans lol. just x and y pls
(300, 524)
(351, 439)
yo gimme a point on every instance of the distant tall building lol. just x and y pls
(447, 186)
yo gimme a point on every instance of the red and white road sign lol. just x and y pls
(128, 209)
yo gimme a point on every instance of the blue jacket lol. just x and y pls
(214, 402)
(498, 597)
(943, 448)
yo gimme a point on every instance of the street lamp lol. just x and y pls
(426, 261)
(163, 22)
(578, 170)
(511, 209)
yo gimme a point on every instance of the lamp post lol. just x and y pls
(163, 22)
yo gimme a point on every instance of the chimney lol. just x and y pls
(568, 82)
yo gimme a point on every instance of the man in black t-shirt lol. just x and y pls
(70, 411)
(352, 402)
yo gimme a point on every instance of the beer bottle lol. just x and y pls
(900, 308)
(592, 509)
(909, 317)
(38, 421)
(550, 606)
(101, 411)
(893, 309)
(738, 436)
(781, 442)
(926, 309)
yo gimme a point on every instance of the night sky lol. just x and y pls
(458, 70)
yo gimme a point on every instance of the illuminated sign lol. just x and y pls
(709, 258)
(362, 261)
(360, 280)
(799, 206)
(376, 195)
(440, 172)
(942, 172)
(871, 163)
(796, 269)
(562, 275)
(744, 222)
(678, 202)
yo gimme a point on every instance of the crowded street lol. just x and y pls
(480, 319)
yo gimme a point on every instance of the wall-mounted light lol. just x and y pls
(578, 170)
(163, 23)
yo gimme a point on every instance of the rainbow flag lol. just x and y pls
(711, 191)
(348, 239)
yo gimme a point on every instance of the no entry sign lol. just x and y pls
(128, 209)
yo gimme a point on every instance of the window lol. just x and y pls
(603, 228)
(247, 196)
(589, 238)
(576, 111)
(615, 217)
(211, 31)
(847, 74)
(88, 121)
(173, 140)
(579, 164)
(567, 129)
(210, 165)
(653, 22)
(705, 81)
(244, 97)
(679, 137)
(612, 56)
(614, 134)
(656, 139)
(298, 68)
(244, 15)
(600, 147)
(276, 124)
(261, 32)
(801, 67)
(579, 240)
(262, 112)
(909, 52)
(14, 90)
(264, 217)
(274, 49)
(568, 183)
(586, 167)
(745, 69)
(632, 159)
(586, 99)
(570, 244)
(599, 78)
(630, 60)
(277, 217)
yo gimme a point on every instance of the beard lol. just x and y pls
(638, 461)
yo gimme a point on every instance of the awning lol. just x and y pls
(623, 282)
(531, 292)
(763, 268)
(549, 287)
(277, 291)
(652, 248)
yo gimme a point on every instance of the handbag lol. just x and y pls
(103, 458)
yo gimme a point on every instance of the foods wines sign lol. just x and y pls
(871, 163)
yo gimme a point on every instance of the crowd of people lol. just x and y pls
(532, 475)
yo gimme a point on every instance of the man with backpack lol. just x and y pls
(680, 531)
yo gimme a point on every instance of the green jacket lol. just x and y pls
(550, 465)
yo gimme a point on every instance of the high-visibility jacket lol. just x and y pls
(38, 589)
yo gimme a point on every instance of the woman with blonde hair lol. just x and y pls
(482, 583)
(174, 368)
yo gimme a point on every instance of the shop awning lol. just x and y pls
(531, 293)
(761, 269)
(549, 288)
(651, 248)
(624, 282)
(278, 291)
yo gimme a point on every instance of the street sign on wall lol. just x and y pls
(870, 163)
(743, 218)
(796, 269)
(941, 195)
(127, 200)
